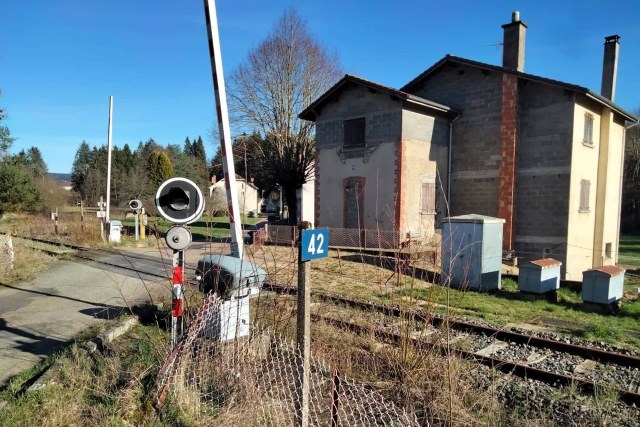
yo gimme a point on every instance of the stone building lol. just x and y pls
(468, 137)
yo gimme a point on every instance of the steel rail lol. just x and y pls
(501, 334)
(504, 366)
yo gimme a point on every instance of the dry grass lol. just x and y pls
(352, 274)
(27, 264)
(95, 390)
(70, 227)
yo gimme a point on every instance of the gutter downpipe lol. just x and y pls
(449, 164)
(624, 146)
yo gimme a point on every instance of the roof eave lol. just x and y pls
(607, 103)
(579, 89)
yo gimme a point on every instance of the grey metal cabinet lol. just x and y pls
(472, 252)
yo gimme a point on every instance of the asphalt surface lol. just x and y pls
(40, 316)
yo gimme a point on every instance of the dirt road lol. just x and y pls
(39, 316)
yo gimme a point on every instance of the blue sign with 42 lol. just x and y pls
(314, 244)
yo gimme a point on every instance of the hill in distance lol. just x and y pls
(62, 178)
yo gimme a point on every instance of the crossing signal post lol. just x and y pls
(180, 201)
(136, 205)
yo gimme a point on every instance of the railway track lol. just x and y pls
(94, 255)
(555, 362)
(551, 361)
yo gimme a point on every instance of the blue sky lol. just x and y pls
(60, 60)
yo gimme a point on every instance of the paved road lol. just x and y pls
(39, 316)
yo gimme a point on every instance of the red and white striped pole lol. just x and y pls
(228, 167)
(176, 297)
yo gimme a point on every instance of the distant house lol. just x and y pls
(467, 137)
(247, 193)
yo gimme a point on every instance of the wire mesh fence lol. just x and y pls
(254, 378)
(345, 237)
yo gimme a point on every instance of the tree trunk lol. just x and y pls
(292, 204)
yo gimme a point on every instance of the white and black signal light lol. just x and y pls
(179, 200)
(135, 205)
(178, 238)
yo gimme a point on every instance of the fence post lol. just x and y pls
(303, 339)
(335, 398)
(81, 217)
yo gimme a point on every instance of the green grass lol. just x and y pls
(205, 227)
(505, 306)
(629, 255)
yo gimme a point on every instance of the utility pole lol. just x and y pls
(109, 145)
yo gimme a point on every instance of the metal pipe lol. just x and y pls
(226, 148)
(109, 160)
(449, 163)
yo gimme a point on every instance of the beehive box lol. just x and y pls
(603, 285)
(540, 276)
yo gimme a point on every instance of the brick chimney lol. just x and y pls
(513, 44)
(610, 66)
(513, 59)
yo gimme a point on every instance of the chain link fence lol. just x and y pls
(340, 237)
(252, 381)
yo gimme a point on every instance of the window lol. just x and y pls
(354, 133)
(428, 205)
(607, 250)
(585, 186)
(588, 129)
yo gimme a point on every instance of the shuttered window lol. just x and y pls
(585, 186)
(428, 205)
(588, 129)
(354, 133)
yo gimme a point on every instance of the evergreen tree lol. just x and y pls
(188, 148)
(36, 163)
(199, 151)
(80, 169)
(6, 140)
(17, 190)
(160, 168)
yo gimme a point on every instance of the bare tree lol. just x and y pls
(280, 77)
(631, 187)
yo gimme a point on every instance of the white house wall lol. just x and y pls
(375, 164)
(425, 141)
(379, 191)
(584, 164)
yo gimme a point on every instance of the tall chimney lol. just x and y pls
(610, 66)
(513, 44)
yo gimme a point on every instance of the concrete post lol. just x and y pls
(303, 340)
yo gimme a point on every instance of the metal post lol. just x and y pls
(109, 145)
(101, 218)
(176, 296)
(143, 231)
(56, 221)
(136, 223)
(226, 148)
(303, 340)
